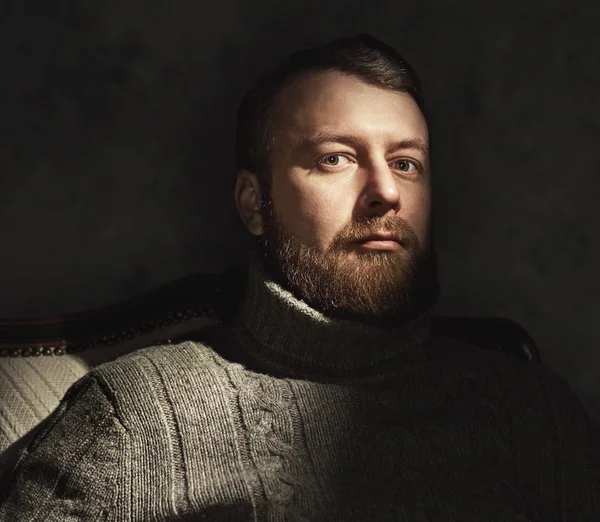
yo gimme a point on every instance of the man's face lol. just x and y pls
(350, 161)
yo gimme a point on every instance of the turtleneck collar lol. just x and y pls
(286, 334)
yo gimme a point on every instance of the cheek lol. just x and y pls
(313, 213)
(416, 210)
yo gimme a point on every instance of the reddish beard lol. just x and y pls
(344, 281)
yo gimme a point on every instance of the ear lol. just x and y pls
(247, 199)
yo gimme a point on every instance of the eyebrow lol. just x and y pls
(352, 140)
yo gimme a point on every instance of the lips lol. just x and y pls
(381, 242)
(380, 237)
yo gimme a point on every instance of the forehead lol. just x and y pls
(336, 103)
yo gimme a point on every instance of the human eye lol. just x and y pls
(407, 166)
(333, 160)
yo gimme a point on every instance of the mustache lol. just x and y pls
(357, 230)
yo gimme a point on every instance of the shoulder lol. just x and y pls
(196, 348)
(498, 373)
(158, 375)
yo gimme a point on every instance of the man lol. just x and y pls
(324, 397)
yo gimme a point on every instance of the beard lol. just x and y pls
(343, 281)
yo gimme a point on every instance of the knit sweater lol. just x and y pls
(284, 414)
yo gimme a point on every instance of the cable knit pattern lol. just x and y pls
(268, 418)
(30, 389)
(278, 450)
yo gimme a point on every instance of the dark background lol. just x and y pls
(116, 149)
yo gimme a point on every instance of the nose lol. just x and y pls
(381, 192)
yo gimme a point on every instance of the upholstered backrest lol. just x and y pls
(489, 333)
(41, 358)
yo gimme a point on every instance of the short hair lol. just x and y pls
(361, 56)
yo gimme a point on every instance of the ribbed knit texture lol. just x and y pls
(32, 387)
(284, 414)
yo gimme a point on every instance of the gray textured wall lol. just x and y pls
(116, 123)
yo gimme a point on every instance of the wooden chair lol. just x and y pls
(41, 358)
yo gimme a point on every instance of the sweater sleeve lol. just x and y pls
(576, 455)
(557, 457)
(69, 471)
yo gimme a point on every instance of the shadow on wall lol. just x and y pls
(125, 182)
